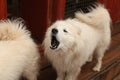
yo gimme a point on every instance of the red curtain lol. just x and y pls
(3, 9)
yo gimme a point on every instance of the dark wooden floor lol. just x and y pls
(111, 63)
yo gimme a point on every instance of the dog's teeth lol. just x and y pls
(54, 43)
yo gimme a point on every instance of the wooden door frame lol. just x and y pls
(58, 8)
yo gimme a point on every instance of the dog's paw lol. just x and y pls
(96, 68)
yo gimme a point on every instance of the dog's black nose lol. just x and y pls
(54, 31)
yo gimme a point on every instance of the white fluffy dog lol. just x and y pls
(70, 43)
(18, 52)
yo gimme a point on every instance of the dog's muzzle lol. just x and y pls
(54, 42)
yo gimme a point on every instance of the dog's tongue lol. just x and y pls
(54, 43)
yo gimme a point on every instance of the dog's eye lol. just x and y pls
(65, 30)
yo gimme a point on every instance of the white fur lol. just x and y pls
(86, 33)
(18, 53)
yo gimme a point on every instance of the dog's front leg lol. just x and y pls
(60, 75)
(72, 74)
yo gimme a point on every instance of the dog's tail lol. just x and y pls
(97, 16)
(13, 29)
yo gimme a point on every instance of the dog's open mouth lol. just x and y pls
(54, 42)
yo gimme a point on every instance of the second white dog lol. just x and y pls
(19, 55)
(70, 43)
